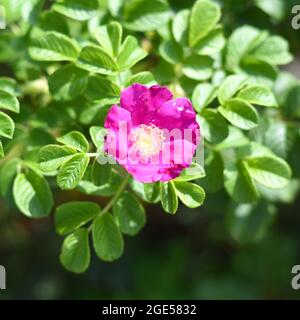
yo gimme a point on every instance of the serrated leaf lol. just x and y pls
(180, 26)
(204, 17)
(101, 89)
(32, 194)
(9, 102)
(72, 171)
(75, 139)
(8, 171)
(241, 41)
(95, 59)
(129, 214)
(240, 113)
(203, 95)
(146, 15)
(80, 10)
(168, 197)
(212, 43)
(75, 253)
(73, 215)
(51, 157)
(130, 54)
(68, 82)
(109, 37)
(7, 126)
(258, 94)
(230, 86)
(190, 194)
(54, 46)
(149, 192)
(274, 50)
(107, 238)
(100, 173)
(171, 51)
(271, 172)
(213, 125)
(144, 77)
(198, 67)
(239, 184)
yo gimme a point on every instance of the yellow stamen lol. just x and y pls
(148, 140)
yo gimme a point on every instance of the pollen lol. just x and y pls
(148, 140)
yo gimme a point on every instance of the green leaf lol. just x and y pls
(130, 54)
(68, 82)
(109, 37)
(213, 125)
(203, 95)
(193, 172)
(171, 51)
(80, 10)
(146, 15)
(72, 171)
(275, 9)
(235, 139)
(204, 17)
(149, 192)
(241, 41)
(239, 184)
(230, 86)
(95, 59)
(32, 194)
(214, 167)
(7, 126)
(180, 26)
(9, 102)
(51, 157)
(8, 85)
(129, 214)
(107, 238)
(115, 6)
(240, 114)
(198, 67)
(168, 197)
(144, 77)
(75, 253)
(1, 150)
(258, 94)
(102, 90)
(212, 43)
(75, 139)
(73, 215)
(8, 171)
(100, 173)
(274, 50)
(190, 194)
(54, 46)
(271, 172)
(248, 223)
(98, 134)
(259, 71)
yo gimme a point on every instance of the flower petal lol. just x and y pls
(160, 95)
(175, 114)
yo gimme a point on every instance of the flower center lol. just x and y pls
(148, 139)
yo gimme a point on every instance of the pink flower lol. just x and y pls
(152, 135)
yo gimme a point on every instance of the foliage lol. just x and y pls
(66, 65)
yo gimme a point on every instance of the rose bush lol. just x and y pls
(67, 64)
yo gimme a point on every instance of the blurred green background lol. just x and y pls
(189, 256)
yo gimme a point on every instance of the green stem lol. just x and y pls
(114, 198)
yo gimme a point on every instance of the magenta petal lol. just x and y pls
(137, 100)
(116, 116)
(160, 95)
(175, 114)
